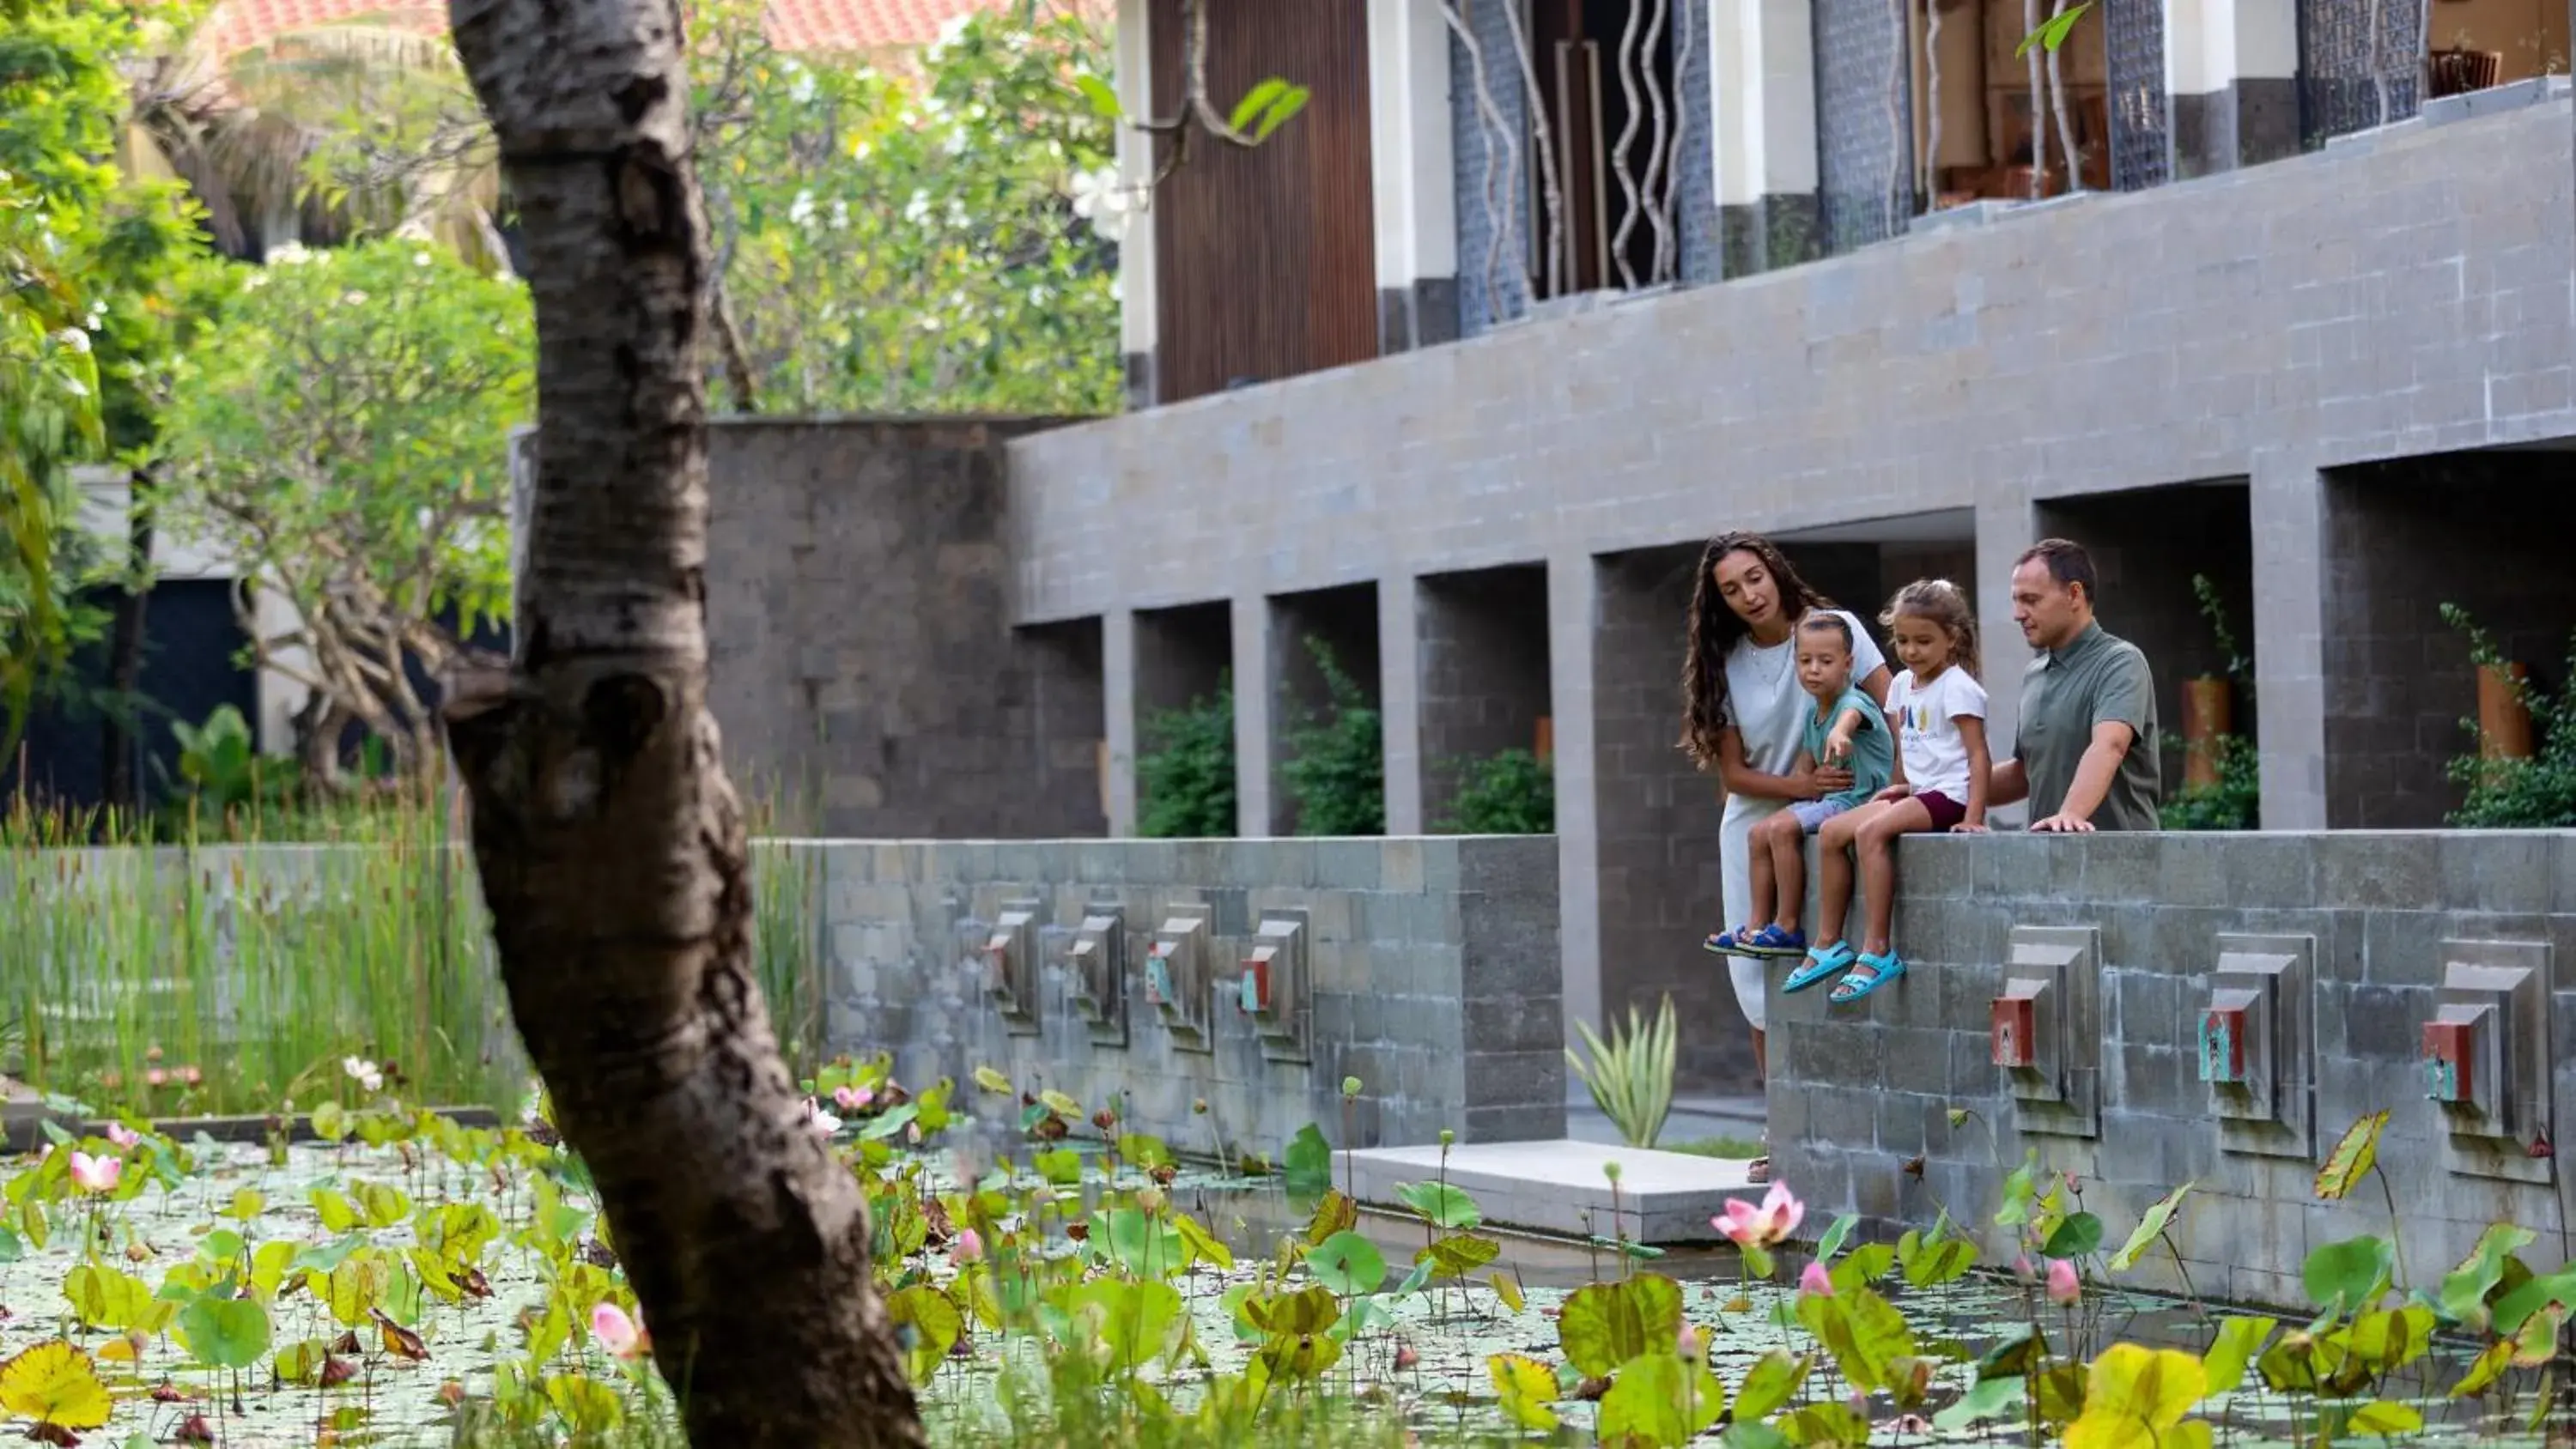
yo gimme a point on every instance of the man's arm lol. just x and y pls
(2007, 783)
(2093, 776)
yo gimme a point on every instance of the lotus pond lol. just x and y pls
(409, 1280)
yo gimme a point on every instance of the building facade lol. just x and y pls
(2304, 334)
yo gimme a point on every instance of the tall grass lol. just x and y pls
(234, 976)
(171, 973)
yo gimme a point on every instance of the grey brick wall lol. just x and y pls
(1483, 671)
(1492, 286)
(1434, 980)
(2319, 311)
(861, 651)
(2402, 539)
(1856, 1093)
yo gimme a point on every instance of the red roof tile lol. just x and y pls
(797, 25)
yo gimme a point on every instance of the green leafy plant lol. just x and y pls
(1185, 775)
(2538, 793)
(1335, 770)
(1630, 1077)
(2234, 801)
(1509, 793)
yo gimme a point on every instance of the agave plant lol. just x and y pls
(1631, 1077)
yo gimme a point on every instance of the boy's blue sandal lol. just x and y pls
(1821, 962)
(1729, 942)
(1772, 941)
(1854, 986)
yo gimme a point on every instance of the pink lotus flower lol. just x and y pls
(2064, 1287)
(1816, 1281)
(852, 1099)
(619, 1334)
(2023, 1270)
(122, 1135)
(96, 1174)
(155, 1077)
(1748, 1226)
(967, 1247)
(823, 1123)
(1687, 1342)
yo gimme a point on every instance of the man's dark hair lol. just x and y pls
(2068, 564)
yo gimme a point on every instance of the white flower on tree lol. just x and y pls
(1099, 199)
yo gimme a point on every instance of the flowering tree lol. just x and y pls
(931, 241)
(343, 438)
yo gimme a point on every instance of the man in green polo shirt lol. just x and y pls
(2085, 755)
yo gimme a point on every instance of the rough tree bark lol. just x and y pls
(610, 844)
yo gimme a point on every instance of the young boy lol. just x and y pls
(1846, 732)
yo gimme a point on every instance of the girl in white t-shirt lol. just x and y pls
(1939, 711)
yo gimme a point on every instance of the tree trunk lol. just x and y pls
(119, 790)
(610, 844)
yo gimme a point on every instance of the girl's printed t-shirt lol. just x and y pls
(1927, 728)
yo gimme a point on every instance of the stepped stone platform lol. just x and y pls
(1664, 1198)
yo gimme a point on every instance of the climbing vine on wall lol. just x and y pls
(1335, 770)
(1185, 774)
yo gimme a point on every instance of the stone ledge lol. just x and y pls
(1664, 1198)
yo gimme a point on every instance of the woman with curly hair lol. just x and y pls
(1744, 716)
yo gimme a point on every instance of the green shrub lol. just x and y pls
(1510, 793)
(2534, 794)
(1335, 771)
(2235, 800)
(1185, 774)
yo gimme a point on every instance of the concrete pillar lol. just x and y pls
(2290, 583)
(1400, 700)
(2231, 70)
(1414, 183)
(1138, 328)
(1570, 614)
(1255, 678)
(2004, 530)
(1762, 113)
(1118, 722)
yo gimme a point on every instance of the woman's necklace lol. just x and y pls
(1772, 670)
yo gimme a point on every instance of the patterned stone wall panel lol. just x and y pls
(1491, 160)
(2359, 65)
(1864, 144)
(2141, 129)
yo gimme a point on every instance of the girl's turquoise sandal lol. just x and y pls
(1854, 986)
(1821, 962)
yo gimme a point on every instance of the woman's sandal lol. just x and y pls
(1821, 962)
(1882, 970)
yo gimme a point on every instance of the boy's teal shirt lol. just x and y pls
(1873, 748)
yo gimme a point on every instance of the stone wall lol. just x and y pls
(2348, 943)
(862, 656)
(1430, 974)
